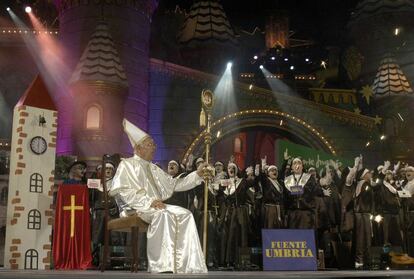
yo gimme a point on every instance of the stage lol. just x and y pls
(24, 274)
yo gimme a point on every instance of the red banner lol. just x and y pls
(72, 236)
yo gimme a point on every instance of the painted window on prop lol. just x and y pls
(36, 183)
(34, 219)
(31, 259)
(93, 117)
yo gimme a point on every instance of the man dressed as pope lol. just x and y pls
(140, 187)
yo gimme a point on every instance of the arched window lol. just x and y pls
(237, 145)
(3, 195)
(31, 259)
(33, 219)
(93, 117)
(36, 183)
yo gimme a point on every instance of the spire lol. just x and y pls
(37, 95)
(390, 80)
(206, 22)
(100, 60)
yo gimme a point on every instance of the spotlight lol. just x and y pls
(286, 59)
(396, 31)
(281, 122)
(378, 218)
(229, 64)
(382, 137)
(28, 9)
(307, 60)
(218, 134)
(273, 58)
(255, 57)
(250, 86)
(8, 9)
(261, 67)
(292, 67)
(368, 144)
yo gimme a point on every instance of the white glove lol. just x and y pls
(357, 161)
(387, 164)
(286, 155)
(264, 162)
(257, 170)
(350, 177)
(327, 192)
(397, 167)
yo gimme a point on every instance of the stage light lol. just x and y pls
(307, 60)
(292, 67)
(273, 58)
(396, 31)
(382, 137)
(229, 64)
(28, 9)
(255, 57)
(8, 9)
(261, 67)
(323, 64)
(218, 134)
(378, 218)
(250, 86)
(368, 144)
(286, 59)
(281, 122)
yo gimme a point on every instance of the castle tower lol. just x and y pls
(377, 27)
(99, 87)
(390, 80)
(393, 100)
(207, 39)
(32, 164)
(129, 23)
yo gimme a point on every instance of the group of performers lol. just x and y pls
(350, 208)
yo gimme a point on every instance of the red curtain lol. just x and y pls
(71, 236)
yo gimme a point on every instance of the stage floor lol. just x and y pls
(20, 274)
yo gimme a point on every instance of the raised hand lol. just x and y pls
(286, 155)
(357, 161)
(327, 192)
(257, 170)
(264, 162)
(397, 167)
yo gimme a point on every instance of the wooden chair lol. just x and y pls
(132, 224)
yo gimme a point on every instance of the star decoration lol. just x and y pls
(377, 120)
(367, 93)
(357, 110)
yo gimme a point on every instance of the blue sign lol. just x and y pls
(289, 250)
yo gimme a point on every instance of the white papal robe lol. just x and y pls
(173, 243)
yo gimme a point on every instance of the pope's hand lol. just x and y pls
(158, 204)
(200, 169)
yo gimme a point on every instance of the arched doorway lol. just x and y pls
(266, 126)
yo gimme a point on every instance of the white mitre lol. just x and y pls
(135, 134)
